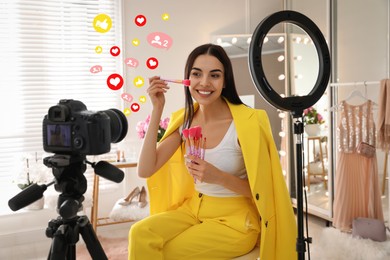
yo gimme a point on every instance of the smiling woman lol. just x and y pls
(41, 62)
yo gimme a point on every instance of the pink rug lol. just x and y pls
(115, 249)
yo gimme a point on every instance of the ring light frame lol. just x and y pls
(295, 104)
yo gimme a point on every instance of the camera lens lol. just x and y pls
(118, 124)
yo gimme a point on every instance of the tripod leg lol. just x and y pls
(59, 246)
(94, 247)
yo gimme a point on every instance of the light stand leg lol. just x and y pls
(301, 241)
(300, 246)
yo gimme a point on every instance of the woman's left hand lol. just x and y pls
(202, 170)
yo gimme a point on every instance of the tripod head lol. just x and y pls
(69, 180)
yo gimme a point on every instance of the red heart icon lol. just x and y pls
(135, 107)
(152, 63)
(140, 20)
(115, 51)
(115, 81)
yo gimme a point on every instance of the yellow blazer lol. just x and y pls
(172, 183)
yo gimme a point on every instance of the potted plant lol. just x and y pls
(313, 121)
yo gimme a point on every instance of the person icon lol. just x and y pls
(156, 40)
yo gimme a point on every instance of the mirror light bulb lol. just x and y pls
(248, 41)
(281, 77)
(234, 40)
(219, 40)
(266, 39)
(280, 39)
(281, 58)
(282, 134)
(298, 58)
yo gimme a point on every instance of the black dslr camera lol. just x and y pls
(69, 128)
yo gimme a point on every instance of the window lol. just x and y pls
(46, 51)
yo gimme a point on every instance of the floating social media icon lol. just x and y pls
(135, 42)
(102, 23)
(127, 97)
(135, 107)
(98, 49)
(115, 51)
(127, 111)
(140, 20)
(159, 40)
(139, 81)
(131, 62)
(152, 63)
(115, 81)
(96, 69)
(165, 17)
(142, 99)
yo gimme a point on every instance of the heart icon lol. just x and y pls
(115, 81)
(152, 63)
(134, 107)
(140, 20)
(115, 51)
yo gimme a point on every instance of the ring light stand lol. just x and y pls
(294, 104)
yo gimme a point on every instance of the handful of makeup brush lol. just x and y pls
(194, 141)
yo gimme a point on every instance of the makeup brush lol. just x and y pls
(185, 82)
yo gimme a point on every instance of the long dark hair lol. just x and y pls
(229, 91)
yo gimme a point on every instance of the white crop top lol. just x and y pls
(226, 156)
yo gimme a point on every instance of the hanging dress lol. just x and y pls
(357, 192)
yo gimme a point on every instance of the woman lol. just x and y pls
(222, 206)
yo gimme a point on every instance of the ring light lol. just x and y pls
(294, 103)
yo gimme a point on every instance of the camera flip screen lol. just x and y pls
(59, 135)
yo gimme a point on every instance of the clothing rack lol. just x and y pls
(364, 83)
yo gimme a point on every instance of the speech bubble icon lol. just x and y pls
(131, 62)
(96, 69)
(160, 40)
(127, 97)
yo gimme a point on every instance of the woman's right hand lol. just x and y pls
(157, 89)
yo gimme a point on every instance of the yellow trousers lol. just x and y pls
(202, 228)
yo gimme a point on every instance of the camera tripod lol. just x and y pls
(65, 230)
